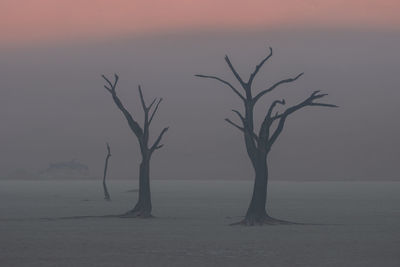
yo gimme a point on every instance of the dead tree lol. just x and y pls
(106, 194)
(143, 206)
(258, 145)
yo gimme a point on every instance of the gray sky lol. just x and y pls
(53, 106)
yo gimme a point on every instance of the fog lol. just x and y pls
(53, 106)
(357, 225)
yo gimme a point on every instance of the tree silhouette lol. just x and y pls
(106, 194)
(258, 145)
(143, 206)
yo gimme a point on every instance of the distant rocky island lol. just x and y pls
(69, 170)
(66, 170)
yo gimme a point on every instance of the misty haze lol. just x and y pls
(200, 140)
(49, 94)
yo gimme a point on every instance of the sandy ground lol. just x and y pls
(360, 225)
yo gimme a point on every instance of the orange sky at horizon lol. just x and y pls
(31, 21)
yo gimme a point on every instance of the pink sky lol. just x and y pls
(27, 21)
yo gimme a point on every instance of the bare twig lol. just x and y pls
(155, 109)
(156, 144)
(235, 73)
(259, 66)
(259, 95)
(224, 82)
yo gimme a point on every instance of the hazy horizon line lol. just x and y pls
(190, 33)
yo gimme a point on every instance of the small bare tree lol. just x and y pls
(143, 206)
(258, 145)
(106, 194)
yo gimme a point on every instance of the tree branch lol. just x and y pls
(234, 124)
(277, 132)
(282, 117)
(142, 99)
(224, 82)
(235, 73)
(259, 95)
(324, 105)
(243, 129)
(111, 86)
(156, 144)
(264, 129)
(152, 103)
(132, 123)
(108, 150)
(258, 67)
(155, 109)
(239, 115)
(159, 146)
(308, 102)
(271, 108)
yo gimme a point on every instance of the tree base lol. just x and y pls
(137, 213)
(263, 220)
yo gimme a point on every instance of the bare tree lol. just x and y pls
(106, 194)
(143, 206)
(258, 145)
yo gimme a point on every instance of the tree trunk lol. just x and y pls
(143, 206)
(106, 194)
(256, 213)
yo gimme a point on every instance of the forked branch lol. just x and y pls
(307, 102)
(146, 109)
(264, 129)
(157, 144)
(111, 88)
(242, 129)
(271, 108)
(239, 115)
(155, 109)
